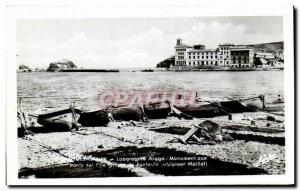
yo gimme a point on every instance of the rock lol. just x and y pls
(211, 130)
(24, 68)
(59, 65)
(270, 118)
(167, 63)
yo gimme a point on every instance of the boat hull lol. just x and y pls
(158, 110)
(200, 111)
(239, 107)
(127, 113)
(58, 120)
(274, 107)
(93, 118)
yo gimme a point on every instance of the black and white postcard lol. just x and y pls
(150, 95)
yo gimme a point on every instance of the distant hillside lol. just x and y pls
(166, 63)
(268, 47)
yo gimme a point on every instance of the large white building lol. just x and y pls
(226, 55)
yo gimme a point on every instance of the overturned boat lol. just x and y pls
(126, 113)
(93, 118)
(157, 110)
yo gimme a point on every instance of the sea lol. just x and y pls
(40, 90)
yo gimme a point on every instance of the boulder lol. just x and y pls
(60, 65)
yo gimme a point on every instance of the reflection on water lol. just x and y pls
(57, 90)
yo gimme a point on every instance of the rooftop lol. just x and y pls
(226, 44)
(202, 50)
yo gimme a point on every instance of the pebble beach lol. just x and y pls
(36, 151)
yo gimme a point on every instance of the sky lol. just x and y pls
(133, 42)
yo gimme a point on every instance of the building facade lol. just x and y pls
(181, 55)
(226, 55)
(202, 57)
(241, 56)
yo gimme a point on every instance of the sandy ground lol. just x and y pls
(72, 145)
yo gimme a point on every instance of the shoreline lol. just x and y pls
(159, 70)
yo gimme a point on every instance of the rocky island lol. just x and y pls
(61, 65)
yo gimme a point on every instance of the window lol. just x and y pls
(202, 63)
(190, 63)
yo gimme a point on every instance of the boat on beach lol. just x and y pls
(157, 110)
(126, 113)
(208, 109)
(68, 119)
(64, 119)
(199, 110)
(93, 118)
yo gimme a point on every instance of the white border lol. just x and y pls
(181, 9)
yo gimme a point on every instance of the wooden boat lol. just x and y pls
(157, 110)
(199, 110)
(259, 104)
(208, 109)
(94, 118)
(126, 113)
(254, 103)
(59, 120)
(274, 107)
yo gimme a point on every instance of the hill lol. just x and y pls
(166, 63)
(268, 47)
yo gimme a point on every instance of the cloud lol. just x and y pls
(214, 33)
